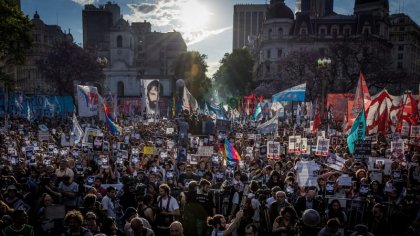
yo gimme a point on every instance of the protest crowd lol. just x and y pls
(195, 175)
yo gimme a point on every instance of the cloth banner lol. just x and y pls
(296, 94)
(87, 100)
(269, 126)
(188, 101)
(151, 90)
(338, 102)
(357, 132)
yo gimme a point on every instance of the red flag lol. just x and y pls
(408, 113)
(361, 100)
(317, 119)
(377, 114)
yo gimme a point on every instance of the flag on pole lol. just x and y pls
(296, 94)
(317, 119)
(257, 113)
(357, 131)
(230, 152)
(77, 131)
(188, 101)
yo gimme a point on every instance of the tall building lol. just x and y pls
(316, 8)
(405, 36)
(247, 23)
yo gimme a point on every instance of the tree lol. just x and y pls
(234, 76)
(15, 39)
(192, 67)
(68, 62)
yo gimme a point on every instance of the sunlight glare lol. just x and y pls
(194, 15)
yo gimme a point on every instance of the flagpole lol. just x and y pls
(401, 112)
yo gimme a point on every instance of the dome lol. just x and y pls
(278, 9)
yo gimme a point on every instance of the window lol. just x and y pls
(400, 56)
(399, 65)
(334, 33)
(365, 33)
(267, 68)
(119, 41)
(268, 53)
(402, 28)
(322, 32)
(303, 31)
(269, 33)
(279, 52)
(120, 89)
(400, 47)
(401, 38)
(346, 32)
(280, 32)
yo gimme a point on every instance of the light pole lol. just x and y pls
(324, 65)
(102, 63)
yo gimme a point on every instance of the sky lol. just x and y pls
(206, 25)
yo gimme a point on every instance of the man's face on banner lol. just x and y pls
(152, 95)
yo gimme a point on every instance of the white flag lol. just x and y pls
(77, 131)
(188, 101)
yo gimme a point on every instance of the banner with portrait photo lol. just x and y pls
(151, 90)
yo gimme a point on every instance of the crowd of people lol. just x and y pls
(152, 180)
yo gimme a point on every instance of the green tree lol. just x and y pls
(192, 67)
(68, 62)
(15, 39)
(234, 76)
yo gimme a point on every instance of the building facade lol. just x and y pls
(315, 27)
(28, 77)
(134, 53)
(247, 23)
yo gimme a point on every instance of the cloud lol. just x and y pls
(85, 2)
(197, 36)
(165, 15)
(143, 8)
(213, 66)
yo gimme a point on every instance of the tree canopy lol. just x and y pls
(68, 62)
(234, 76)
(15, 38)
(191, 66)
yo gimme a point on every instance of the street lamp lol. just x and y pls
(102, 63)
(324, 64)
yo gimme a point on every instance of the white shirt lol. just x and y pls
(109, 206)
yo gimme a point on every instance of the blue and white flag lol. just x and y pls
(257, 113)
(357, 131)
(295, 94)
(219, 113)
(77, 131)
(269, 126)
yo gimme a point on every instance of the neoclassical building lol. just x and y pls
(316, 27)
(133, 53)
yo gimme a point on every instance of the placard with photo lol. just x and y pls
(329, 188)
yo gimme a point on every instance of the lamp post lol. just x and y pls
(324, 65)
(102, 63)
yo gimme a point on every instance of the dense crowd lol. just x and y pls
(117, 185)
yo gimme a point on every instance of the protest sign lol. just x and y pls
(43, 135)
(307, 173)
(345, 180)
(363, 147)
(297, 144)
(239, 136)
(169, 130)
(205, 151)
(397, 146)
(292, 145)
(322, 146)
(334, 141)
(415, 131)
(304, 146)
(329, 188)
(149, 150)
(273, 150)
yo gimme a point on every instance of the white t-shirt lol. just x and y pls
(173, 204)
(109, 206)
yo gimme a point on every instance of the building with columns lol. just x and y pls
(134, 54)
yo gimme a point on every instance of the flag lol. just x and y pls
(317, 119)
(270, 126)
(296, 94)
(230, 152)
(77, 131)
(257, 113)
(275, 106)
(219, 113)
(361, 98)
(114, 128)
(408, 112)
(87, 100)
(189, 102)
(357, 131)
(377, 114)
